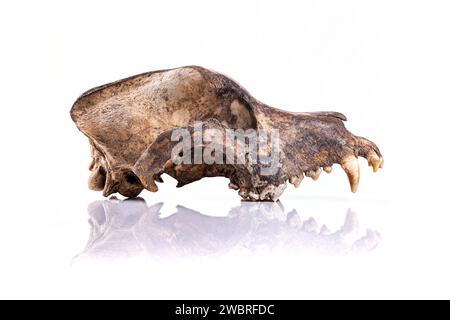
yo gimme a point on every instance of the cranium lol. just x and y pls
(131, 126)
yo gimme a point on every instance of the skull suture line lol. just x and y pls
(134, 126)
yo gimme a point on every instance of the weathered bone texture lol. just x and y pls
(129, 125)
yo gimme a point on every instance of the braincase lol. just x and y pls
(124, 117)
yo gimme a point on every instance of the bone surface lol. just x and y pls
(130, 125)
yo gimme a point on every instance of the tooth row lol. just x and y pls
(349, 164)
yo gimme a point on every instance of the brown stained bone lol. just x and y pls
(129, 125)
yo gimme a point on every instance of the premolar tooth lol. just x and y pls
(314, 174)
(231, 185)
(327, 169)
(295, 180)
(350, 165)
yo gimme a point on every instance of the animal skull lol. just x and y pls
(131, 126)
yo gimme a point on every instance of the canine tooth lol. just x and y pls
(327, 169)
(350, 165)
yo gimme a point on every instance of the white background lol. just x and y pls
(384, 64)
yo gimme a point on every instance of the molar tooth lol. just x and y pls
(267, 192)
(327, 169)
(350, 165)
(278, 191)
(295, 180)
(314, 174)
(243, 193)
(253, 195)
(231, 185)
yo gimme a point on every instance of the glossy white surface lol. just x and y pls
(384, 65)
